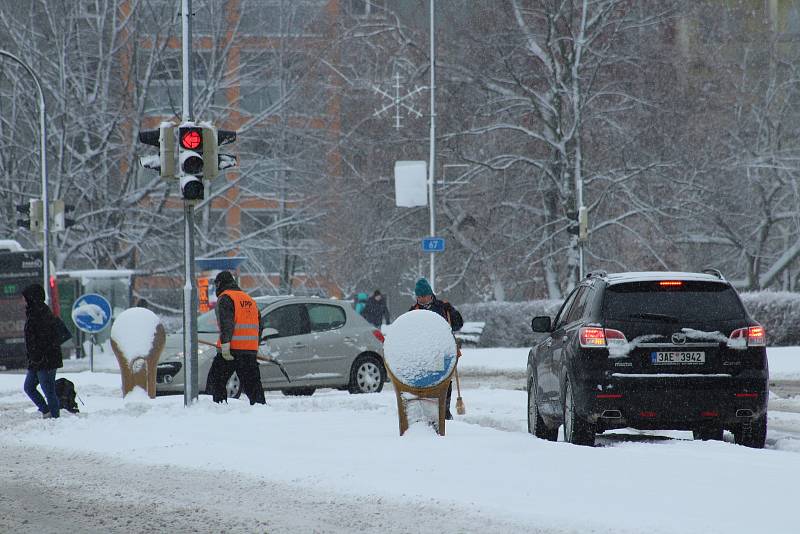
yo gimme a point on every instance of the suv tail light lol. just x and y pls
(756, 336)
(596, 337)
(591, 336)
(378, 335)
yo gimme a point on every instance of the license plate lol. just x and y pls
(678, 357)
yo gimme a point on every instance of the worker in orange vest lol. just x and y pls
(240, 328)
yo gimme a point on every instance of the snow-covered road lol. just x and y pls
(334, 462)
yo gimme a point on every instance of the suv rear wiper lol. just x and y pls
(655, 317)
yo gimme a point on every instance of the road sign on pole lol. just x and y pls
(432, 244)
(91, 313)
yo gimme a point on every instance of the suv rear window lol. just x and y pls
(690, 301)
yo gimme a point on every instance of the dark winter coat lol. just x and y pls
(445, 309)
(44, 332)
(376, 311)
(226, 315)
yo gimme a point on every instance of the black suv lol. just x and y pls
(649, 350)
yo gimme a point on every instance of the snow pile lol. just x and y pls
(133, 331)
(622, 350)
(420, 349)
(784, 363)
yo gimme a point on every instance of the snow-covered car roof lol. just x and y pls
(267, 300)
(648, 276)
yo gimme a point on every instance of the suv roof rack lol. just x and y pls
(715, 272)
(598, 274)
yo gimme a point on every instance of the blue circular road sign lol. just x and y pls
(91, 313)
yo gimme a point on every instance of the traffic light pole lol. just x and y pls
(189, 310)
(190, 286)
(43, 167)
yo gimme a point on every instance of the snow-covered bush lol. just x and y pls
(508, 324)
(778, 312)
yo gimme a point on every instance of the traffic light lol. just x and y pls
(225, 161)
(164, 139)
(190, 155)
(579, 223)
(583, 224)
(34, 213)
(572, 223)
(59, 220)
(194, 159)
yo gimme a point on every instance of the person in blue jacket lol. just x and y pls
(361, 303)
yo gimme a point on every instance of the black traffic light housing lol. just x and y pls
(578, 223)
(190, 156)
(24, 209)
(164, 139)
(33, 215)
(58, 215)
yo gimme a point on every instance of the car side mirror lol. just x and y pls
(268, 333)
(541, 324)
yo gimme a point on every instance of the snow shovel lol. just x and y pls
(460, 408)
(276, 362)
(260, 358)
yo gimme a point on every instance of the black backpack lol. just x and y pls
(65, 391)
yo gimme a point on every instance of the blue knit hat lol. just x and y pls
(422, 288)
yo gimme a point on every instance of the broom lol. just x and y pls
(460, 408)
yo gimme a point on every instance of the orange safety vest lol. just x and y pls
(245, 321)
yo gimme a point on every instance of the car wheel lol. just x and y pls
(576, 430)
(708, 434)
(298, 392)
(367, 375)
(536, 425)
(752, 434)
(234, 387)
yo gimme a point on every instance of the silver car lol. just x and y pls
(322, 343)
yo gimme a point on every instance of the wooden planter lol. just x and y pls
(141, 370)
(437, 392)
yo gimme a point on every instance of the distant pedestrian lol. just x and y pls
(44, 335)
(360, 303)
(426, 300)
(376, 310)
(240, 328)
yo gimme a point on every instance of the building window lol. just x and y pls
(280, 17)
(366, 8)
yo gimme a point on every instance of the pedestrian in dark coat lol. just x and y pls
(426, 300)
(237, 348)
(44, 335)
(376, 310)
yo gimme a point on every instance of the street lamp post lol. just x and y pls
(43, 166)
(431, 173)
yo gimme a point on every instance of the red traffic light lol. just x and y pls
(191, 138)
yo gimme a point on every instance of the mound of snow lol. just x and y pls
(420, 349)
(133, 331)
